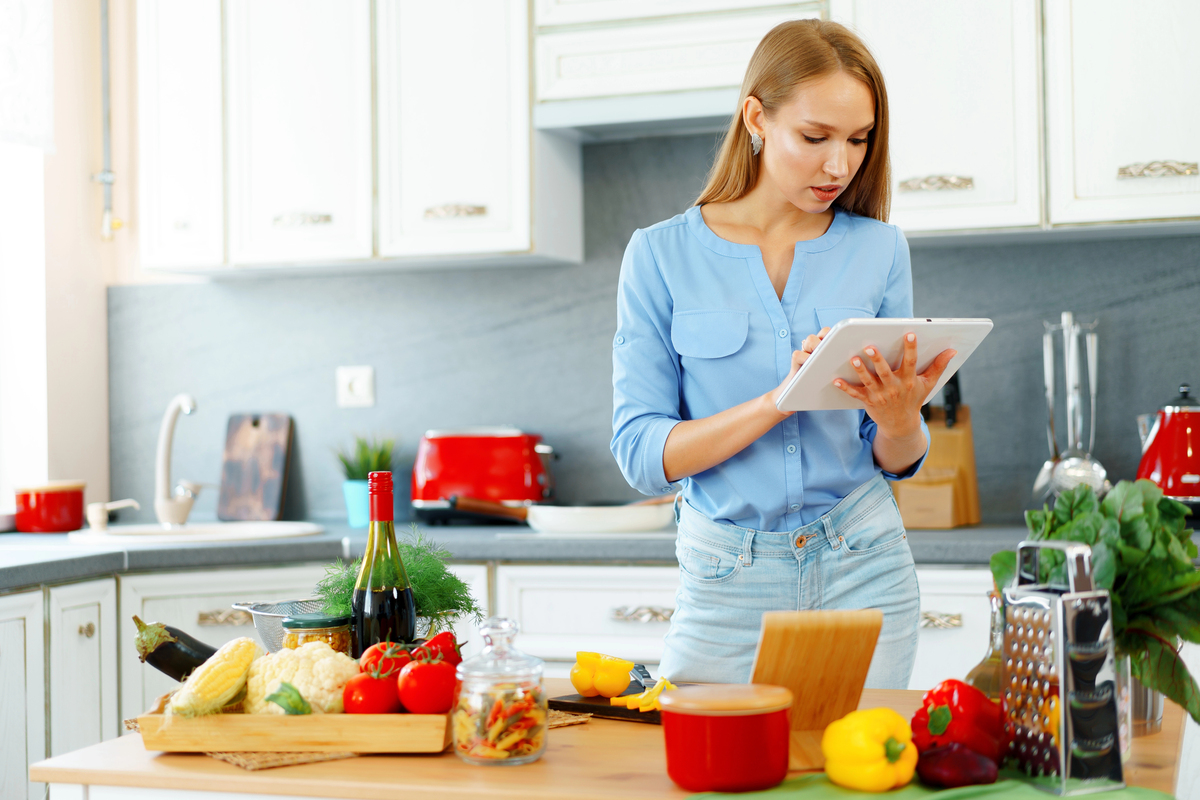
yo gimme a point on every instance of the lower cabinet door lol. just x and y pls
(22, 694)
(83, 665)
(956, 622)
(622, 611)
(466, 631)
(198, 603)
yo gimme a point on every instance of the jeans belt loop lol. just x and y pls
(747, 544)
(830, 533)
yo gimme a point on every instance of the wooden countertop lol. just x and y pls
(601, 760)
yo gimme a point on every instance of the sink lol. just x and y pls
(154, 533)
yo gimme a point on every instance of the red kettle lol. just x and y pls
(1171, 448)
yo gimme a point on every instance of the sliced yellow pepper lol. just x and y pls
(870, 750)
(598, 674)
(647, 700)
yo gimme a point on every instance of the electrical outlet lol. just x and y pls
(355, 387)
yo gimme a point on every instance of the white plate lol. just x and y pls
(154, 533)
(601, 519)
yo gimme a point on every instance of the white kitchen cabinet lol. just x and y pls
(563, 609)
(83, 665)
(180, 156)
(22, 693)
(548, 13)
(466, 632)
(956, 623)
(198, 603)
(1121, 112)
(298, 78)
(963, 100)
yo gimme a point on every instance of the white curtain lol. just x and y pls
(26, 73)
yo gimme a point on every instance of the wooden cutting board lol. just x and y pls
(602, 707)
(255, 469)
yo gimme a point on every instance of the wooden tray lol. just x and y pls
(318, 733)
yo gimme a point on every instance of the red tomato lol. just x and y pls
(444, 644)
(367, 694)
(386, 658)
(427, 687)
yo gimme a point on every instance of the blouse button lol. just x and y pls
(620, 340)
(791, 448)
(794, 506)
(783, 333)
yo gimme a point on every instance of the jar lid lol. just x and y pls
(499, 660)
(311, 621)
(52, 486)
(726, 699)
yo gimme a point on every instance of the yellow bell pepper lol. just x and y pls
(598, 674)
(869, 750)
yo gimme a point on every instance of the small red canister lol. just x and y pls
(727, 737)
(52, 507)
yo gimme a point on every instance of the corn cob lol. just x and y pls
(216, 681)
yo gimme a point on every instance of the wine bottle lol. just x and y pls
(382, 608)
(985, 676)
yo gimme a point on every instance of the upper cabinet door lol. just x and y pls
(299, 128)
(573, 12)
(1122, 117)
(181, 168)
(962, 85)
(454, 152)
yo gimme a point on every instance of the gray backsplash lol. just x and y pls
(531, 347)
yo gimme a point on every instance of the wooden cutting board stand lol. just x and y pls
(254, 471)
(823, 658)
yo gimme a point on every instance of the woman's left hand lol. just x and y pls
(893, 398)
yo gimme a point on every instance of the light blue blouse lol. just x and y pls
(700, 329)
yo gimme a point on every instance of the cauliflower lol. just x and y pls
(316, 670)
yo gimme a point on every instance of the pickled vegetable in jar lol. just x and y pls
(300, 629)
(499, 716)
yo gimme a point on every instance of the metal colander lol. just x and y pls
(268, 619)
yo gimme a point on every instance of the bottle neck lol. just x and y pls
(382, 567)
(997, 622)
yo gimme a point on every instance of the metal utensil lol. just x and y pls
(1041, 484)
(1092, 356)
(1076, 466)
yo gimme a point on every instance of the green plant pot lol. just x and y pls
(358, 503)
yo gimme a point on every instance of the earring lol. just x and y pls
(755, 143)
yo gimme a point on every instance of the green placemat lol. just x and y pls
(818, 787)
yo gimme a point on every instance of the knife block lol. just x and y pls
(945, 493)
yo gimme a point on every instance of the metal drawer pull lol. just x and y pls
(451, 210)
(1159, 169)
(301, 220)
(88, 630)
(642, 614)
(225, 616)
(937, 183)
(936, 619)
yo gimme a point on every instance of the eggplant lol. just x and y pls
(170, 650)
(954, 765)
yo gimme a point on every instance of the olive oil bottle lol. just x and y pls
(382, 608)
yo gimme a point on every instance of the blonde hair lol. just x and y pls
(790, 54)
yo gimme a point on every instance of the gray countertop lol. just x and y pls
(34, 559)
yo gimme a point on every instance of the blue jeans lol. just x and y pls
(856, 556)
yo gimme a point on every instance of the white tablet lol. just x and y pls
(812, 389)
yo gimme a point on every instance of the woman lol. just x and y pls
(779, 511)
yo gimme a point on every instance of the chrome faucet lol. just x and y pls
(172, 509)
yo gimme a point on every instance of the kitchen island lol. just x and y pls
(600, 760)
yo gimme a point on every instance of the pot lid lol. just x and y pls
(52, 486)
(1184, 402)
(727, 699)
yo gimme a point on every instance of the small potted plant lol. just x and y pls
(368, 455)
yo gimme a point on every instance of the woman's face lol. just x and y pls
(814, 144)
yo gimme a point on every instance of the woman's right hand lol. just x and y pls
(798, 358)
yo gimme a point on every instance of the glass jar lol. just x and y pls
(500, 712)
(300, 629)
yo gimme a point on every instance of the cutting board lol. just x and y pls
(255, 468)
(602, 707)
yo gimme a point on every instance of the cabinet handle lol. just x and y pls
(936, 619)
(301, 220)
(224, 616)
(642, 614)
(1158, 169)
(88, 630)
(937, 183)
(452, 210)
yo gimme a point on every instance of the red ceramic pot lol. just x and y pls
(727, 737)
(53, 507)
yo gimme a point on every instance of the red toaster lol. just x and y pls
(501, 464)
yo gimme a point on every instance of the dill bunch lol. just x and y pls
(437, 592)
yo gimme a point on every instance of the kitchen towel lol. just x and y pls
(818, 787)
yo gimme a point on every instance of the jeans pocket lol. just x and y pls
(707, 565)
(879, 529)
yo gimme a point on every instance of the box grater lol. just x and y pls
(1059, 676)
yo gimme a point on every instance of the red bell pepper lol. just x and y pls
(956, 712)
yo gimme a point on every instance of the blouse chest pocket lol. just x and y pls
(828, 316)
(714, 333)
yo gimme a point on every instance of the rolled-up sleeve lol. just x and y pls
(645, 370)
(897, 302)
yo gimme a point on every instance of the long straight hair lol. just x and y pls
(790, 54)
